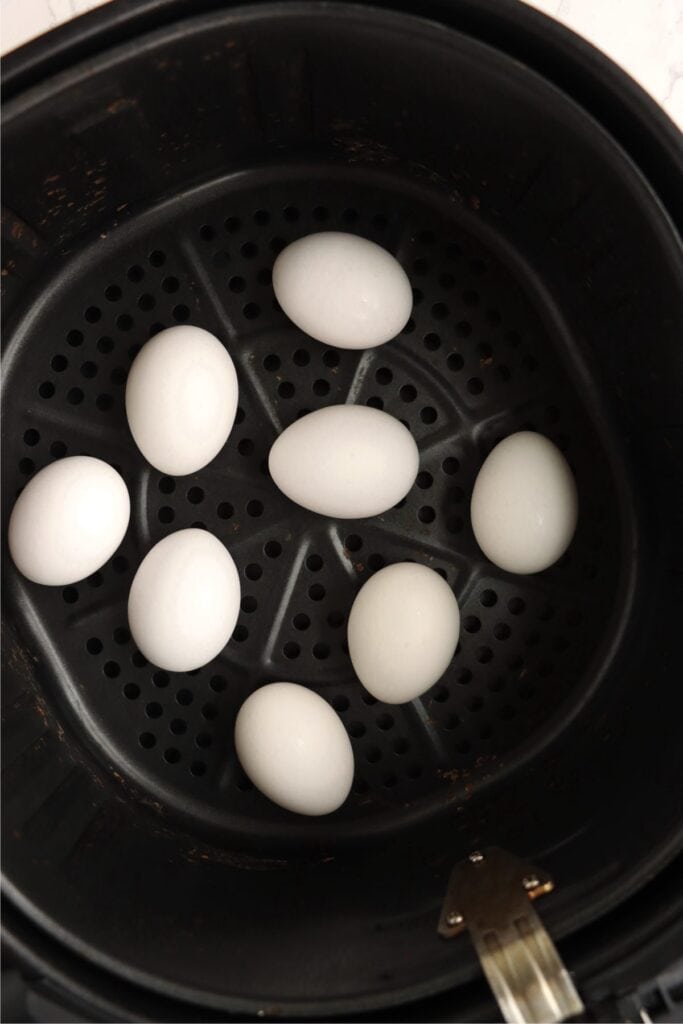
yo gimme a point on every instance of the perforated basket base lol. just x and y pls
(477, 361)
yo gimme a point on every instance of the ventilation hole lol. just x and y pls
(301, 357)
(251, 310)
(384, 375)
(161, 679)
(124, 322)
(484, 655)
(147, 740)
(104, 345)
(331, 358)
(46, 389)
(93, 314)
(475, 386)
(424, 480)
(375, 402)
(488, 598)
(367, 698)
(502, 631)
(181, 313)
(255, 508)
(272, 548)
(93, 645)
(385, 721)
(428, 414)
(408, 393)
(321, 651)
(75, 396)
(291, 650)
(246, 446)
(432, 342)
(171, 755)
(516, 605)
(131, 691)
(225, 510)
(203, 740)
(375, 562)
(314, 563)
(240, 634)
(426, 514)
(450, 466)
(178, 726)
(218, 684)
(353, 542)
(198, 768)
(340, 703)
(439, 310)
(253, 571)
(321, 387)
(464, 677)
(286, 389)
(96, 580)
(440, 694)
(138, 659)
(184, 697)
(316, 592)
(471, 624)
(70, 595)
(59, 363)
(249, 250)
(209, 712)
(271, 363)
(249, 604)
(195, 495)
(373, 755)
(166, 514)
(111, 669)
(301, 621)
(154, 710)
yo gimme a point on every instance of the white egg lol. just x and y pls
(68, 521)
(181, 399)
(345, 461)
(524, 504)
(343, 289)
(294, 748)
(184, 601)
(403, 631)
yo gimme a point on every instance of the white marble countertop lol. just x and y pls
(644, 36)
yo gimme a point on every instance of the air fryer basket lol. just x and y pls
(155, 185)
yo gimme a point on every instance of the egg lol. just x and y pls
(294, 748)
(343, 289)
(524, 504)
(403, 631)
(181, 399)
(345, 461)
(68, 521)
(184, 601)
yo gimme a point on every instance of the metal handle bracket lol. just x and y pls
(490, 895)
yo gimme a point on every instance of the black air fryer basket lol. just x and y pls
(158, 155)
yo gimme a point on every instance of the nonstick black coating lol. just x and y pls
(474, 363)
(122, 783)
